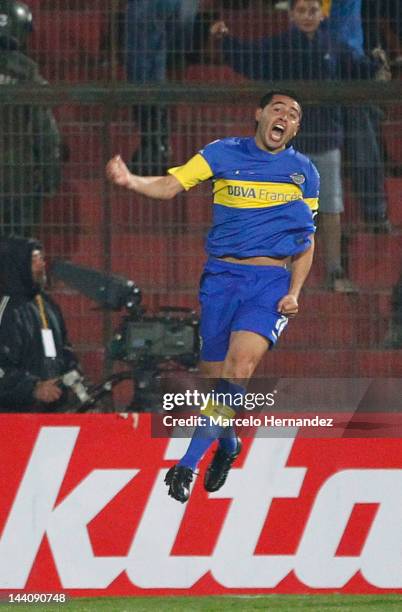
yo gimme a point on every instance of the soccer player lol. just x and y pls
(265, 194)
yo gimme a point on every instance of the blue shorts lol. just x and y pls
(239, 297)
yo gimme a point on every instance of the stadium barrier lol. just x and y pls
(84, 511)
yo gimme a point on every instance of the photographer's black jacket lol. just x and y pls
(22, 359)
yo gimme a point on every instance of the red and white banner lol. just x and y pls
(84, 510)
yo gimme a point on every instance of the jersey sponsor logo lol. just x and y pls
(246, 194)
(298, 179)
(262, 194)
(241, 192)
(79, 501)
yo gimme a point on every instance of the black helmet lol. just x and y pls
(15, 24)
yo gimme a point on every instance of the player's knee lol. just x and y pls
(239, 366)
(211, 369)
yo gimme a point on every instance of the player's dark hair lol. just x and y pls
(292, 3)
(266, 99)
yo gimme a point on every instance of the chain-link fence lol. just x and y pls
(105, 99)
(159, 244)
(151, 40)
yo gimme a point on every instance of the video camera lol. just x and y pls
(149, 343)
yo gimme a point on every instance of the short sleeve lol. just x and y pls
(312, 188)
(214, 153)
(192, 172)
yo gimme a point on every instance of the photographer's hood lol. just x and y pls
(16, 267)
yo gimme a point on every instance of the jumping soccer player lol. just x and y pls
(265, 195)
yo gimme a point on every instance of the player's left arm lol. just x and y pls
(311, 190)
(301, 264)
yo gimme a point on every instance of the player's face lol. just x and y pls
(306, 15)
(278, 122)
(38, 268)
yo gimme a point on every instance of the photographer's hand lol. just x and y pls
(47, 391)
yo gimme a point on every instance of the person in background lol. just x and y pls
(30, 144)
(34, 348)
(382, 21)
(345, 23)
(152, 26)
(362, 123)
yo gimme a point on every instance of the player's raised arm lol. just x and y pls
(157, 187)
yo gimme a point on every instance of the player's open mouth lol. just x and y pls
(277, 132)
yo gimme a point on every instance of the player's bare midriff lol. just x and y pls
(258, 261)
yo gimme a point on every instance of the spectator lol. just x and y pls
(382, 21)
(34, 350)
(345, 23)
(362, 124)
(30, 148)
(149, 26)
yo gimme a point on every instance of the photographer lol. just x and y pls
(34, 350)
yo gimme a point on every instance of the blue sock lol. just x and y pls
(204, 436)
(202, 439)
(229, 441)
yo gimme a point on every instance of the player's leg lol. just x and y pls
(246, 350)
(217, 310)
(206, 434)
(256, 326)
(211, 369)
(180, 476)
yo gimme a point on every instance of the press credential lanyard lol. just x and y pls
(47, 335)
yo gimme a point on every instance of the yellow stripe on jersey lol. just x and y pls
(193, 172)
(312, 203)
(247, 194)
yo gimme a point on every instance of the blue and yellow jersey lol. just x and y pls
(263, 202)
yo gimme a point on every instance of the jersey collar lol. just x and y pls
(255, 150)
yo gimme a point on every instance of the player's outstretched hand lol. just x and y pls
(117, 172)
(288, 306)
